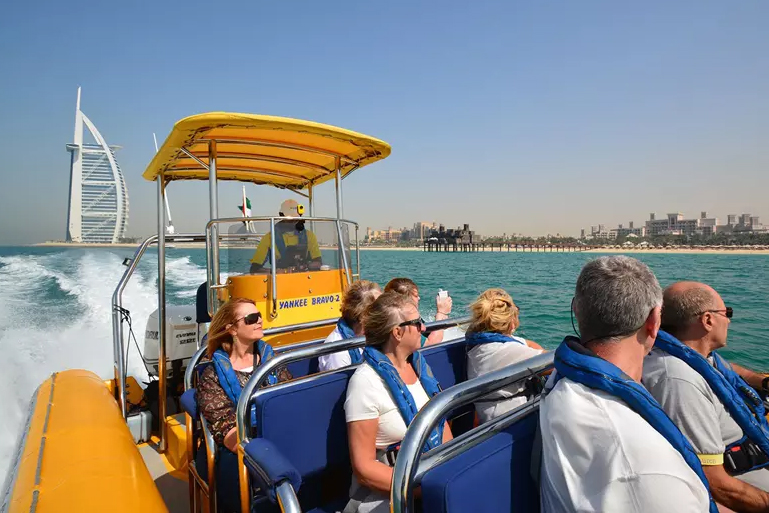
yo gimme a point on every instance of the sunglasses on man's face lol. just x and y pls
(250, 319)
(727, 312)
(418, 322)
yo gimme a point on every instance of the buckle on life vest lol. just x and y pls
(391, 454)
(744, 457)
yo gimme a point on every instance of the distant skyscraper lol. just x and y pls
(98, 198)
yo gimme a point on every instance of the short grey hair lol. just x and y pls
(680, 309)
(614, 296)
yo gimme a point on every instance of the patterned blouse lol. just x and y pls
(216, 407)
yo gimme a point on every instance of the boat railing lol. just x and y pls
(118, 338)
(280, 360)
(409, 468)
(212, 252)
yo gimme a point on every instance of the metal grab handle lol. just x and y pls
(404, 472)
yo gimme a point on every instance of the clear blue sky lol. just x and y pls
(515, 116)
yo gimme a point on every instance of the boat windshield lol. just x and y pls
(301, 245)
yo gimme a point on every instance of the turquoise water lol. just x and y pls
(55, 303)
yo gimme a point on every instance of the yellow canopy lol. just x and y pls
(282, 152)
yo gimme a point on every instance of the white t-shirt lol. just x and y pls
(485, 358)
(599, 455)
(335, 360)
(369, 398)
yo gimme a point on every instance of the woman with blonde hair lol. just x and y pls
(235, 348)
(492, 346)
(356, 299)
(384, 395)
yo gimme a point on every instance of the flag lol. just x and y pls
(247, 212)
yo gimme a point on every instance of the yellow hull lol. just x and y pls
(79, 455)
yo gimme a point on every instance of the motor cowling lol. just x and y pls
(182, 335)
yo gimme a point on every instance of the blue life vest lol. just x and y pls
(579, 364)
(400, 393)
(280, 245)
(228, 378)
(485, 337)
(356, 355)
(741, 401)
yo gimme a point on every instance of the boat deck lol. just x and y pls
(171, 483)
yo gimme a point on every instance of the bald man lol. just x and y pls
(708, 399)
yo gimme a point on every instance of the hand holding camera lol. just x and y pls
(443, 304)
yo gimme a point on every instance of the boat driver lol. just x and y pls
(296, 248)
(714, 403)
(606, 444)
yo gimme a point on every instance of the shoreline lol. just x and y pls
(681, 251)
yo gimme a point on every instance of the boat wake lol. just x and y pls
(55, 314)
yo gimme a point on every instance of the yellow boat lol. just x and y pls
(87, 446)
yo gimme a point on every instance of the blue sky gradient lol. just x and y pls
(517, 117)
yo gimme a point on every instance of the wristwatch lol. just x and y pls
(765, 384)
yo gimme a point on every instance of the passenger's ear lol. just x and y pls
(653, 322)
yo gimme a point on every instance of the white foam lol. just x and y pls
(80, 335)
(184, 275)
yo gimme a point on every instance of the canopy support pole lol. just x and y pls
(162, 312)
(213, 207)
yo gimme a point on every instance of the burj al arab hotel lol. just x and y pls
(98, 198)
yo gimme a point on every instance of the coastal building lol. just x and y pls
(422, 230)
(388, 235)
(675, 224)
(746, 223)
(98, 198)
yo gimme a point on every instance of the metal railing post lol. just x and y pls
(162, 313)
(213, 207)
(273, 269)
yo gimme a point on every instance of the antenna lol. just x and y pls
(170, 228)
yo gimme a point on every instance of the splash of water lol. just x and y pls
(55, 314)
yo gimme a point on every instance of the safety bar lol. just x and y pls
(118, 345)
(405, 470)
(262, 371)
(212, 245)
(287, 499)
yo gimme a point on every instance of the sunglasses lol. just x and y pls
(249, 319)
(727, 312)
(413, 322)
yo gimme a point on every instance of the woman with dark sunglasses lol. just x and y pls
(235, 348)
(383, 396)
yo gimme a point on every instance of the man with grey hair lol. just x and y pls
(606, 444)
(713, 403)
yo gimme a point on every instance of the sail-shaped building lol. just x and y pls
(98, 198)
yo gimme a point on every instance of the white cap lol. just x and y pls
(290, 208)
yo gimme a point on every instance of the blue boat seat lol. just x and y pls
(449, 365)
(305, 421)
(302, 368)
(494, 476)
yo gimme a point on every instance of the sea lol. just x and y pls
(55, 303)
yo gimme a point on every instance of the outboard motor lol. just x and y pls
(182, 336)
